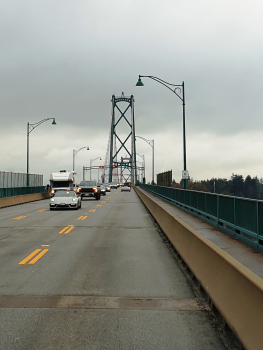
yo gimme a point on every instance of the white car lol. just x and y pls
(65, 199)
(114, 185)
(107, 186)
(125, 188)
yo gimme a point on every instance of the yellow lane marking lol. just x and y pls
(82, 217)
(19, 217)
(70, 229)
(38, 211)
(92, 210)
(98, 205)
(103, 202)
(44, 251)
(23, 262)
(66, 229)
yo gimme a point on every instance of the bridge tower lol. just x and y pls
(122, 160)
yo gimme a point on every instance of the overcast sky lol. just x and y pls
(65, 59)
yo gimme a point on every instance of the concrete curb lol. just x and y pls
(9, 201)
(236, 292)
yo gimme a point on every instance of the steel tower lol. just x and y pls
(122, 139)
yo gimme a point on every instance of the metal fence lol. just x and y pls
(242, 218)
(9, 179)
(15, 184)
(164, 179)
(18, 191)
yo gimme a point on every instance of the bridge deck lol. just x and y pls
(247, 256)
(104, 280)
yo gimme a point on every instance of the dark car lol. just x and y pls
(89, 188)
(127, 184)
(114, 185)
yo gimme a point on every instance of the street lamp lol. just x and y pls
(75, 151)
(31, 127)
(151, 143)
(182, 98)
(91, 161)
(143, 158)
(140, 174)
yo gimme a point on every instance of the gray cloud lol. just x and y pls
(65, 60)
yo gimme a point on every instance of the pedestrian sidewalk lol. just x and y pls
(247, 256)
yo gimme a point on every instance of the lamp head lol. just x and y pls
(139, 82)
(54, 122)
(87, 148)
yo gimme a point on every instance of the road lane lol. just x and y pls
(108, 283)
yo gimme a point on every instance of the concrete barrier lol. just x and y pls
(236, 292)
(9, 201)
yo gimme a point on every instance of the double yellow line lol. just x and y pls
(41, 252)
(82, 217)
(66, 229)
(38, 253)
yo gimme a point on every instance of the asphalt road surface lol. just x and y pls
(97, 278)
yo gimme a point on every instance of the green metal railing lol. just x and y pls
(18, 191)
(242, 218)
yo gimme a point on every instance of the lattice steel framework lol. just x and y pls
(122, 158)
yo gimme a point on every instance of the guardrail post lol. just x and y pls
(257, 226)
(217, 209)
(235, 215)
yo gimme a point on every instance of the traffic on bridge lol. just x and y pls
(97, 278)
(115, 263)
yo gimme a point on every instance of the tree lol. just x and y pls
(197, 186)
(255, 188)
(176, 185)
(237, 188)
(248, 187)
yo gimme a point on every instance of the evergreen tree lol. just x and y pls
(237, 188)
(255, 188)
(248, 187)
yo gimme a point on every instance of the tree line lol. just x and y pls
(237, 186)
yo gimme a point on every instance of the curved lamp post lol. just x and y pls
(143, 163)
(75, 151)
(151, 143)
(174, 88)
(91, 161)
(31, 127)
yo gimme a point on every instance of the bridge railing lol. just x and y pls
(9, 179)
(15, 184)
(19, 191)
(242, 218)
